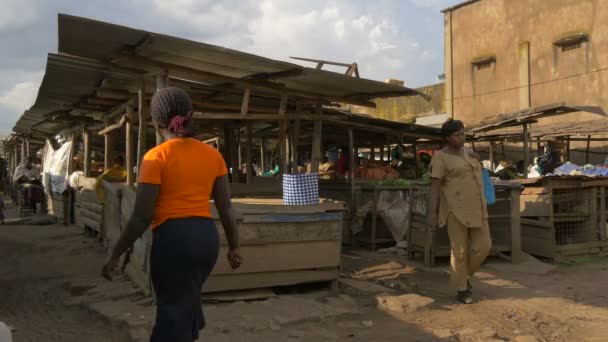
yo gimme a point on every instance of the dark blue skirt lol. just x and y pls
(184, 252)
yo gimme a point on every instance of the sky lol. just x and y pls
(400, 39)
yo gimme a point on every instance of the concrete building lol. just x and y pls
(505, 55)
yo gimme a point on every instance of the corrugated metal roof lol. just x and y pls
(111, 43)
(530, 115)
(457, 6)
(67, 80)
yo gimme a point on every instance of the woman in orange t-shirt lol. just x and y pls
(176, 182)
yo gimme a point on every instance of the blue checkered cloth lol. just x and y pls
(301, 189)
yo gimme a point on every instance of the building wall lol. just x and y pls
(529, 69)
(407, 108)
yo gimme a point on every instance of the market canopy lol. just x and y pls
(531, 115)
(100, 66)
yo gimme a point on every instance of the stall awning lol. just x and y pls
(531, 115)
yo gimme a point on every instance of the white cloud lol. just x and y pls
(21, 96)
(17, 14)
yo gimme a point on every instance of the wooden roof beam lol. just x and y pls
(152, 66)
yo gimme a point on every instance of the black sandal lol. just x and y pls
(465, 297)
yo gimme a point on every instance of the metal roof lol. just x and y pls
(457, 6)
(531, 115)
(131, 47)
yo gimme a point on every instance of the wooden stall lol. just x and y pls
(564, 217)
(503, 218)
(287, 245)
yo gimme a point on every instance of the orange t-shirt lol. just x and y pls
(186, 170)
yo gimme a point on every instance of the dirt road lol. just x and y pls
(35, 264)
(51, 291)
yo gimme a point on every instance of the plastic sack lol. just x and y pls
(488, 188)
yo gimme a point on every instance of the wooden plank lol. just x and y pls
(536, 223)
(108, 148)
(94, 207)
(264, 233)
(535, 205)
(239, 295)
(516, 252)
(129, 146)
(535, 190)
(280, 218)
(90, 223)
(267, 116)
(283, 257)
(592, 244)
(538, 246)
(96, 217)
(228, 282)
(110, 128)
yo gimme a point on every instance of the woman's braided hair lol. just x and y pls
(171, 108)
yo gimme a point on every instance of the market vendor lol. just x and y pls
(28, 182)
(457, 200)
(342, 165)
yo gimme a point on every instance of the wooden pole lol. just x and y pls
(236, 154)
(227, 150)
(502, 150)
(250, 169)
(22, 150)
(351, 166)
(372, 153)
(568, 148)
(86, 139)
(317, 136)
(245, 102)
(526, 149)
(283, 128)
(262, 156)
(382, 152)
(27, 147)
(129, 145)
(295, 157)
(587, 150)
(162, 81)
(108, 148)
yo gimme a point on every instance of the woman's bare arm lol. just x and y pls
(140, 219)
(223, 203)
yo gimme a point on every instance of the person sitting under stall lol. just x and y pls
(27, 180)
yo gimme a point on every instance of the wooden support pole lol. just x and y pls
(250, 169)
(129, 145)
(568, 148)
(416, 159)
(502, 150)
(295, 157)
(317, 136)
(517, 255)
(108, 148)
(372, 153)
(587, 149)
(22, 150)
(86, 139)
(27, 147)
(351, 166)
(526, 149)
(283, 140)
(227, 149)
(262, 155)
(382, 152)
(245, 102)
(235, 154)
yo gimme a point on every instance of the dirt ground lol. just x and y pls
(51, 291)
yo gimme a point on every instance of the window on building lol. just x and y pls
(484, 63)
(572, 42)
